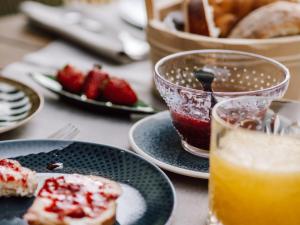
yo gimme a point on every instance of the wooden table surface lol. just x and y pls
(16, 40)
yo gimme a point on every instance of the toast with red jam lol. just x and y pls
(75, 199)
(16, 180)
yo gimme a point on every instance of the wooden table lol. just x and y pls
(16, 40)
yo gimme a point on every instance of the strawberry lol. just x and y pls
(71, 79)
(95, 82)
(118, 91)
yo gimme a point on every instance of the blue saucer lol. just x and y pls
(155, 138)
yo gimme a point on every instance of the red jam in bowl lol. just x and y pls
(195, 132)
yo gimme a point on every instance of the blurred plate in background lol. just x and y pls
(18, 104)
(49, 82)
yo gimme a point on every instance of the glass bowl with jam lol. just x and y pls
(192, 82)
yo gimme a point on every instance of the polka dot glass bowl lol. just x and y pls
(235, 74)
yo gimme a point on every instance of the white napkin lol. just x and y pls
(97, 29)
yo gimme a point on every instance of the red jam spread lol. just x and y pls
(9, 164)
(195, 132)
(75, 199)
(12, 166)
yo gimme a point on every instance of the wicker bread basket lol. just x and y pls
(164, 41)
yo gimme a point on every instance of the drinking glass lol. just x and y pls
(255, 162)
(183, 79)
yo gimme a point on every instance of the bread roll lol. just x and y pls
(273, 20)
(216, 18)
(195, 17)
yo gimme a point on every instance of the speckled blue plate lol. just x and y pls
(155, 138)
(148, 196)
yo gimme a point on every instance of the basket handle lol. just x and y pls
(149, 9)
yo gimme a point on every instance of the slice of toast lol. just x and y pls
(75, 199)
(16, 180)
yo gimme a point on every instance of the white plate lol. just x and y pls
(19, 103)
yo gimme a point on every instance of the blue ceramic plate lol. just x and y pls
(155, 138)
(49, 82)
(146, 189)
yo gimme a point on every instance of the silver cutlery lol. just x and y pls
(134, 48)
(67, 132)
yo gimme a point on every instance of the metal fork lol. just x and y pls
(67, 132)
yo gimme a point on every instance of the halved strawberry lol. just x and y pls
(71, 79)
(95, 82)
(118, 91)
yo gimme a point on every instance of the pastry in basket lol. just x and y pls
(75, 199)
(216, 18)
(16, 180)
(274, 20)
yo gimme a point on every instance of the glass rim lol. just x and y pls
(285, 70)
(225, 124)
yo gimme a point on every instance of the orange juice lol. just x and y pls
(255, 179)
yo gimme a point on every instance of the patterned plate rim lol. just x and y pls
(27, 119)
(161, 164)
(171, 216)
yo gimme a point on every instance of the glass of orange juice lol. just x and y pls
(255, 162)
